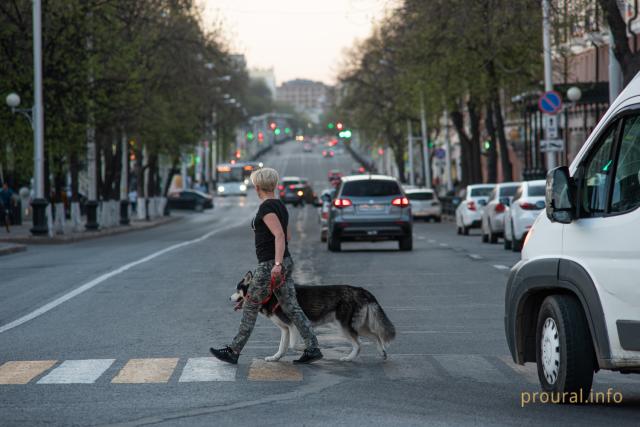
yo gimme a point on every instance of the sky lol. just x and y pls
(298, 38)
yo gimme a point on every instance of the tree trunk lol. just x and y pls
(492, 158)
(629, 60)
(474, 126)
(465, 148)
(505, 161)
(74, 170)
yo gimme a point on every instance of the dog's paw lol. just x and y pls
(273, 358)
(347, 359)
(299, 347)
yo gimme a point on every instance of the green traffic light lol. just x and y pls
(277, 131)
(250, 136)
(347, 133)
(330, 125)
(487, 145)
(287, 130)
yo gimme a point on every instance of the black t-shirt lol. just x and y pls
(265, 240)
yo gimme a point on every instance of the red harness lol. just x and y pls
(273, 285)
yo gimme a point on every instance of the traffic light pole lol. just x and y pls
(425, 142)
(410, 143)
(548, 77)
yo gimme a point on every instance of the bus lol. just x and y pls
(230, 179)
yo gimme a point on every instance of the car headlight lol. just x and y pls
(243, 187)
(220, 189)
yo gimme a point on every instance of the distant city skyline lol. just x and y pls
(299, 39)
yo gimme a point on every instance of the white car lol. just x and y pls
(424, 204)
(492, 223)
(572, 303)
(469, 211)
(523, 210)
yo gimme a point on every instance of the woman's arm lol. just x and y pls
(273, 223)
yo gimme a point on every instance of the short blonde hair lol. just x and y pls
(266, 179)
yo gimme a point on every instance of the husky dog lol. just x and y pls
(355, 310)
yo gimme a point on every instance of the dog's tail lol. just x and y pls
(379, 323)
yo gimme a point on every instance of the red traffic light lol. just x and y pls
(273, 125)
(339, 126)
(260, 136)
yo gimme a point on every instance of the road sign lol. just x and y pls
(549, 145)
(440, 153)
(550, 124)
(550, 102)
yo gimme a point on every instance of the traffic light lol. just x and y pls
(250, 136)
(339, 126)
(330, 126)
(273, 125)
(198, 159)
(380, 151)
(287, 130)
(260, 137)
(277, 131)
(487, 145)
(345, 134)
(237, 154)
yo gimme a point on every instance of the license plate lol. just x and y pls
(370, 208)
(372, 233)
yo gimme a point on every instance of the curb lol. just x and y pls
(87, 235)
(12, 249)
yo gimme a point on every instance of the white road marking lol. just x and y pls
(95, 282)
(431, 241)
(77, 372)
(471, 366)
(444, 245)
(435, 332)
(501, 267)
(207, 369)
(475, 256)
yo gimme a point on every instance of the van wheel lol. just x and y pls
(493, 238)
(564, 350)
(485, 238)
(517, 244)
(333, 244)
(406, 243)
(199, 207)
(459, 230)
(323, 236)
(465, 230)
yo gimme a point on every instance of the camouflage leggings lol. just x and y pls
(286, 294)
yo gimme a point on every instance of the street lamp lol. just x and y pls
(574, 94)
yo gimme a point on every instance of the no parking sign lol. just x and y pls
(550, 102)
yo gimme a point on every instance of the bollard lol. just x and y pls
(92, 215)
(124, 212)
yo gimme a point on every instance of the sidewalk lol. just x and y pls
(22, 235)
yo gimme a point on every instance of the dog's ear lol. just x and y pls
(248, 277)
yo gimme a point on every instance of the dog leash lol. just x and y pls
(273, 286)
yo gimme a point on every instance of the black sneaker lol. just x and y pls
(226, 355)
(309, 355)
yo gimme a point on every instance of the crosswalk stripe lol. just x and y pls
(146, 371)
(261, 370)
(471, 366)
(21, 372)
(207, 369)
(77, 371)
(529, 371)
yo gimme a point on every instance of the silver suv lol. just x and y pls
(370, 208)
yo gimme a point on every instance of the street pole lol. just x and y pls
(410, 142)
(615, 72)
(124, 181)
(447, 140)
(548, 77)
(425, 142)
(39, 204)
(92, 203)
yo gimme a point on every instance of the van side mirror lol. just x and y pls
(560, 199)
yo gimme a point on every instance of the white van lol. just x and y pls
(573, 302)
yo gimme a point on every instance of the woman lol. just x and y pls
(274, 261)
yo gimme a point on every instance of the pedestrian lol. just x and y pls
(6, 204)
(274, 263)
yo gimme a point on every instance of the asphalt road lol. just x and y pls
(117, 330)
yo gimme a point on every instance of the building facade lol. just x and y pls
(305, 96)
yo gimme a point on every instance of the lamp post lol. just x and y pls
(36, 119)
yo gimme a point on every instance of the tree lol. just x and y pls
(628, 59)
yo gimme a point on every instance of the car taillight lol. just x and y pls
(500, 208)
(471, 205)
(282, 194)
(324, 215)
(331, 153)
(403, 202)
(342, 203)
(324, 152)
(528, 206)
(291, 187)
(280, 187)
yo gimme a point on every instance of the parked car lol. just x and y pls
(424, 204)
(307, 148)
(572, 304)
(469, 211)
(370, 208)
(334, 175)
(327, 154)
(523, 210)
(492, 224)
(190, 199)
(326, 197)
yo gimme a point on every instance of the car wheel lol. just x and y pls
(333, 244)
(459, 230)
(199, 207)
(465, 230)
(406, 243)
(323, 236)
(493, 238)
(507, 243)
(485, 237)
(438, 219)
(517, 244)
(564, 350)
